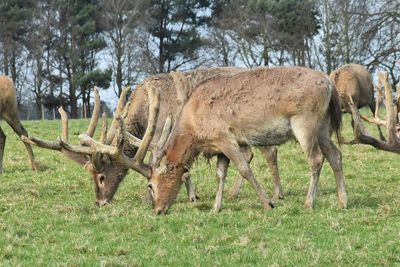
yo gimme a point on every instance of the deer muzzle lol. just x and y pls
(102, 202)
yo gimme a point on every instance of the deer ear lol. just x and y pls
(336, 77)
(162, 166)
(76, 157)
(185, 176)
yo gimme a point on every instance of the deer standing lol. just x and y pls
(260, 107)
(9, 112)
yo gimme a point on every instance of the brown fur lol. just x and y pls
(353, 80)
(9, 112)
(260, 107)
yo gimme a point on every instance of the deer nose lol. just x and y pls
(159, 211)
(102, 202)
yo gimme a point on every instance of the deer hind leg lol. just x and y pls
(270, 153)
(222, 167)
(2, 145)
(237, 183)
(232, 151)
(334, 157)
(20, 130)
(306, 133)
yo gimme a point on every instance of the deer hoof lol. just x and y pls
(309, 204)
(194, 198)
(34, 166)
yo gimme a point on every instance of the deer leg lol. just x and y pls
(2, 145)
(190, 189)
(234, 193)
(270, 153)
(334, 157)
(308, 140)
(372, 107)
(232, 151)
(20, 130)
(222, 167)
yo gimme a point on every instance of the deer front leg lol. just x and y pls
(222, 167)
(190, 188)
(2, 145)
(20, 130)
(232, 151)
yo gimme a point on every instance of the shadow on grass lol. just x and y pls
(41, 166)
(363, 201)
(202, 206)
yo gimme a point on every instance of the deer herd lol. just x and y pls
(171, 119)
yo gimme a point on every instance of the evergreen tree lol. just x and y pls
(174, 31)
(15, 16)
(80, 42)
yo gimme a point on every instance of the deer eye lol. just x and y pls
(150, 186)
(102, 178)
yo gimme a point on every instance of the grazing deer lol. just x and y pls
(353, 80)
(107, 172)
(9, 112)
(260, 107)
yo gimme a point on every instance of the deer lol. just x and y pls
(9, 112)
(260, 107)
(107, 173)
(355, 82)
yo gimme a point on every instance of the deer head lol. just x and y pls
(165, 171)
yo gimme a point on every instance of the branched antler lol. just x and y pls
(121, 136)
(120, 110)
(184, 88)
(79, 153)
(391, 122)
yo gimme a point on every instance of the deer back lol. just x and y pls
(255, 107)
(8, 100)
(136, 121)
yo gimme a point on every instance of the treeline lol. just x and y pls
(56, 51)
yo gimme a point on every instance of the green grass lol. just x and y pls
(48, 217)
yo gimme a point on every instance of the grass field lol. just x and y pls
(48, 217)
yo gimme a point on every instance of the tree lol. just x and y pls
(121, 20)
(79, 42)
(267, 31)
(175, 39)
(15, 16)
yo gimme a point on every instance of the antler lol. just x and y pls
(183, 87)
(391, 122)
(116, 150)
(62, 144)
(121, 110)
(95, 115)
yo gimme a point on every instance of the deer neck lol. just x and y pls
(182, 151)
